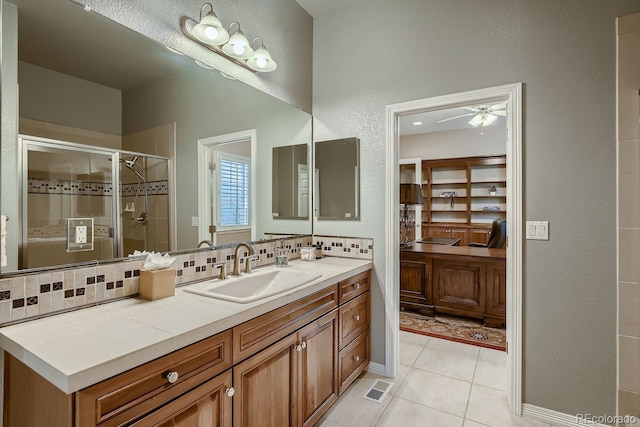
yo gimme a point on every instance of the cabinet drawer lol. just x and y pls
(354, 318)
(126, 397)
(256, 334)
(207, 404)
(354, 286)
(354, 359)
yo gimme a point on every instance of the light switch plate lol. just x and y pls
(79, 234)
(537, 230)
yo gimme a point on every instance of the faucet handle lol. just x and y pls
(247, 267)
(222, 265)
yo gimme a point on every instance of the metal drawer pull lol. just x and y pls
(356, 358)
(357, 285)
(230, 391)
(300, 346)
(172, 376)
(357, 317)
(303, 344)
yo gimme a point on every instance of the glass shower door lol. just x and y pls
(62, 183)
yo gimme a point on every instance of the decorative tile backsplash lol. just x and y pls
(24, 296)
(345, 247)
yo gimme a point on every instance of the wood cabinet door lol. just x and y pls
(266, 387)
(459, 287)
(450, 233)
(479, 235)
(415, 286)
(206, 405)
(319, 367)
(496, 294)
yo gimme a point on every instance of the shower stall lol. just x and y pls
(83, 203)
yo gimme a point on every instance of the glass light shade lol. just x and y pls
(476, 121)
(261, 60)
(489, 119)
(238, 46)
(210, 30)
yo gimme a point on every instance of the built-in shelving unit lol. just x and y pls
(463, 196)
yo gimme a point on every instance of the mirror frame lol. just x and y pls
(293, 178)
(316, 184)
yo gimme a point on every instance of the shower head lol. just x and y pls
(132, 162)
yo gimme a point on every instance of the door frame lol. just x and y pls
(513, 94)
(204, 195)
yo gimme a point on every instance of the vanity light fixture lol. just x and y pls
(209, 29)
(210, 33)
(238, 45)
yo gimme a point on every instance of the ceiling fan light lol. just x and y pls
(489, 119)
(238, 46)
(476, 121)
(261, 61)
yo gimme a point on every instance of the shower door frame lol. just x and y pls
(47, 145)
(25, 142)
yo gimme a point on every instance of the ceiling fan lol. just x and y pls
(483, 115)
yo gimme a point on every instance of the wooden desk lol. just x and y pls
(440, 241)
(460, 280)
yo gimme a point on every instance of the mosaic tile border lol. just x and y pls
(50, 231)
(88, 188)
(31, 295)
(345, 247)
(154, 188)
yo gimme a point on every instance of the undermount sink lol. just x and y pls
(254, 286)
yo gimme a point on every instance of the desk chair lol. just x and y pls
(497, 236)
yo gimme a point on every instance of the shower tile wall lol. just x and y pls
(69, 133)
(628, 215)
(158, 141)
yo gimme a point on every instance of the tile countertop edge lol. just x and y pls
(128, 359)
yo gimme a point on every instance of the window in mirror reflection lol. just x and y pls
(337, 179)
(290, 174)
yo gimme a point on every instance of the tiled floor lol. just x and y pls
(441, 384)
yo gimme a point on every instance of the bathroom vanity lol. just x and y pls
(191, 360)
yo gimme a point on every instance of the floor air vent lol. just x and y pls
(378, 391)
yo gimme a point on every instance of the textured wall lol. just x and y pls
(283, 25)
(378, 52)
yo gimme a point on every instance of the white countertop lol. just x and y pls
(77, 349)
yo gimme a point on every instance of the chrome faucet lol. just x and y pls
(252, 256)
(205, 242)
(222, 265)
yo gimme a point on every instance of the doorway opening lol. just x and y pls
(226, 188)
(512, 96)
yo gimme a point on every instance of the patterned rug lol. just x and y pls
(469, 331)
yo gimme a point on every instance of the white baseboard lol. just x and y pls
(553, 417)
(377, 368)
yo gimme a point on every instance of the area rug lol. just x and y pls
(468, 331)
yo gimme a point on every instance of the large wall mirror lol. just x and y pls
(291, 192)
(337, 179)
(85, 79)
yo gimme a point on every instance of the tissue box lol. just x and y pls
(157, 284)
